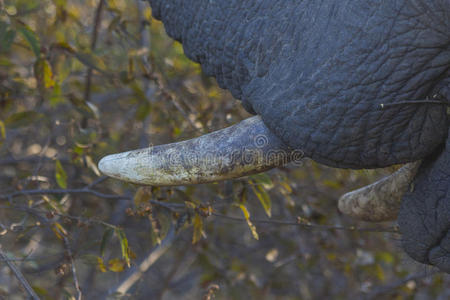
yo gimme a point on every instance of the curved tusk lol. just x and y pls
(242, 149)
(379, 201)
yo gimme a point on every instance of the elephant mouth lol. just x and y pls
(439, 255)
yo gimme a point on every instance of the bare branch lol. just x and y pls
(98, 14)
(74, 270)
(65, 191)
(18, 275)
(138, 271)
(97, 181)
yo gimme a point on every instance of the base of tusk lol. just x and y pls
(379, 201)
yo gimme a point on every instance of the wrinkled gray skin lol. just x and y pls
(317, 73)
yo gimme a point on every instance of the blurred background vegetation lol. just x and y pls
(80, 79)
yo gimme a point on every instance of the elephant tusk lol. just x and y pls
(379, 201)
(242, 149)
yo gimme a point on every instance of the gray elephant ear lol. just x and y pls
(424, 217)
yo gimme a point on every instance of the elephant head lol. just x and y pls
(349, 84)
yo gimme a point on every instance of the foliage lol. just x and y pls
(82, 79)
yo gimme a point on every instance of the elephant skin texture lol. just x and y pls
(343, 81)
(318, 71)
(424, 217)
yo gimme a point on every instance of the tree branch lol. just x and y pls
(19, 275)
(74, 270)
(85, 190)
(97, 19)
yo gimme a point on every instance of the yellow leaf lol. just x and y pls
(264, 198)
(286, 187)
(60, 174)
(385, 257)
(59, 231)
(198, 229)
(380, 273)
(123, 245)
(116, 265)
(332, 184)
(2, 130)
(43, 73)
(101, 265)
(249, 222)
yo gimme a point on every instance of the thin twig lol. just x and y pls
(74, 270)
(308, 225)
(19, 275)
(97, 19)
(65, 191)
(97, 181)
(29, 159)
(144, 36)
(413, 102)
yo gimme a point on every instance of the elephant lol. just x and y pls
(349, 84)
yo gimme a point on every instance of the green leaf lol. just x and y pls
(105, 239)
(56, 96)
(7, 37)
(22, 119)
(262, 179)
(31, 38)
(60, 174)
(263, 198)
(90, 60)
(249, 222)
(123, 245)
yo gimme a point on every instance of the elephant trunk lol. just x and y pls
(242, 149)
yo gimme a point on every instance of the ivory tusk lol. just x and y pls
(242, 149)
(379, 201)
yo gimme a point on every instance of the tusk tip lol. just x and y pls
(111, 165)
(105, 165)
(124, 166)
